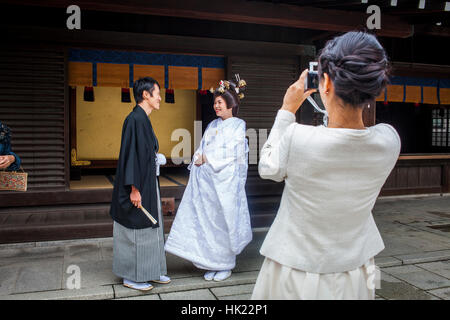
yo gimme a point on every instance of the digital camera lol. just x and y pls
(312, 80)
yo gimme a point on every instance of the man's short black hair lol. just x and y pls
(147, 84)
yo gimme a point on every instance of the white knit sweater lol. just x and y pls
(332, 179)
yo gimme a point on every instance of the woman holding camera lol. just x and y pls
(324, 239)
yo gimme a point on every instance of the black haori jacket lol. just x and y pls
(136, 166)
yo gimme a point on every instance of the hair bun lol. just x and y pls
(358, 66)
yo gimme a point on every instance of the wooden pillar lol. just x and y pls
(75, 172)
(446, 178)
(369, 114)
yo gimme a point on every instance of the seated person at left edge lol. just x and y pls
(8, 159)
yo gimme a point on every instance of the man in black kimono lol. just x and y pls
(138, 253)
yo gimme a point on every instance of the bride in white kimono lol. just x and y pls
(212, 224)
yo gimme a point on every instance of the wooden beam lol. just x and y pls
(327, 34)
(151, 42)
(425, 157)
(242, 11)
(432, 30)
(408, 69)
(71, 197)
(409, 191)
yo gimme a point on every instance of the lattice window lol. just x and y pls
(440, 136)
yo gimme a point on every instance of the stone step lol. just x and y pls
(118, 291)
(191, 283)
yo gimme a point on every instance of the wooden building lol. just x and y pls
(69, 144)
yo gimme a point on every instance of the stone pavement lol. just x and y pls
(414, 265)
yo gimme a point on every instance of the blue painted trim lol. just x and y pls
(94, 74)
(438, 96)
(126, 57)
(385, 94)
(166, 76)
(410, 81)
(131, 75)
(444, 83)
(200, 79)
(422, 82)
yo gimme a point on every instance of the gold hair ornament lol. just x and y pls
(226, 85)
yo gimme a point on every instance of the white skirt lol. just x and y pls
(278, 282)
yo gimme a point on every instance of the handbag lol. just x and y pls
(13, 180)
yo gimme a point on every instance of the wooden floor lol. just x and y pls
(91, 182)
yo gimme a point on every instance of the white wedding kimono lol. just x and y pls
(212, 224)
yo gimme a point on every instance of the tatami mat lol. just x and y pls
(163, 182)
(91, 182)
(180, 178)
(102, 181)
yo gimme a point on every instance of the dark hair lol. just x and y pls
(357, 65)
(141, 85)
(231, 98)
(5, 134)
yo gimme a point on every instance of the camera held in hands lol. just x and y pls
(312, 80)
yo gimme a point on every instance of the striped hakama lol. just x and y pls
(138, 254)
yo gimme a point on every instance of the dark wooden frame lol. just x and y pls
(414, 162)
(420, 70)
(284, 15)
(94, 39)
(73, 118)
(88, 196)
(66, 122)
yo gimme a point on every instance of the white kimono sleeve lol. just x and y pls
(198, 153)
(274, 154)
